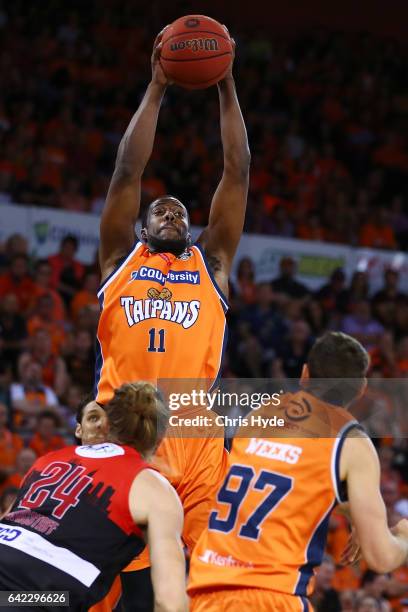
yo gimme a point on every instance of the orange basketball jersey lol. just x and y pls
(269, 525)
(162, 316)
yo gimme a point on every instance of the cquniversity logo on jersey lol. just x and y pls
(153, 274)
(183, 313)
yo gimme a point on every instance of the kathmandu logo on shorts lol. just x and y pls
(153, 274)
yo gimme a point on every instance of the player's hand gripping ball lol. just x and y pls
(196, 52)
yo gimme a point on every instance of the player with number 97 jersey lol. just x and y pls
(268, 528)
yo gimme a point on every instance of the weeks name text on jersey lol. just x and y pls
(274, 450)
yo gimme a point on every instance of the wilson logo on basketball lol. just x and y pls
(196, 44)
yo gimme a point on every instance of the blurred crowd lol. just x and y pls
(326, 115)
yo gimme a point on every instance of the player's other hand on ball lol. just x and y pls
(158, 74)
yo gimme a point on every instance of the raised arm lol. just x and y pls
(117, 233)
(383, 549)
(164, 520)
(221, 237)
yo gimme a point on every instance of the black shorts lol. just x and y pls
(22, 572)
(137, 591)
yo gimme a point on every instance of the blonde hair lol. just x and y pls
(138, 416)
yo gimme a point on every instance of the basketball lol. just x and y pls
(196, 51)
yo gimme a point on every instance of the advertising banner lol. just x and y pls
(45, 227)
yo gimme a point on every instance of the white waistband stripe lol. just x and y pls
(36, 546)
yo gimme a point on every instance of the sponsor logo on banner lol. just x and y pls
(41, 230)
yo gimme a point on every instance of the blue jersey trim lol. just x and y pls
(98, 351)
(314, 553)
(224, 346)
(305, 604)
(341, 495)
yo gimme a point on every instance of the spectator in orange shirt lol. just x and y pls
(18, 281)
(67, 272)
(46, 438)
(378, 232)
(42, 279)
(10, 443)
(87, 295)
(24, 461)
(42, 319)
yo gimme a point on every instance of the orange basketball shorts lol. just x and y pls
(247, 600)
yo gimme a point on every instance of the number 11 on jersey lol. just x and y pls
(156, 341)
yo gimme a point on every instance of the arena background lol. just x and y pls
(323, 89)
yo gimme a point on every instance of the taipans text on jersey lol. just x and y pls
(183, 313)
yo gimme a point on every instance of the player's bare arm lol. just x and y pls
(164, 526)
(119, 216)
(221, 237)
(384, 550)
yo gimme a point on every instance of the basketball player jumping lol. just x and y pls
(163, 299)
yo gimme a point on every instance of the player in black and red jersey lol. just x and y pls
(83, 512)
